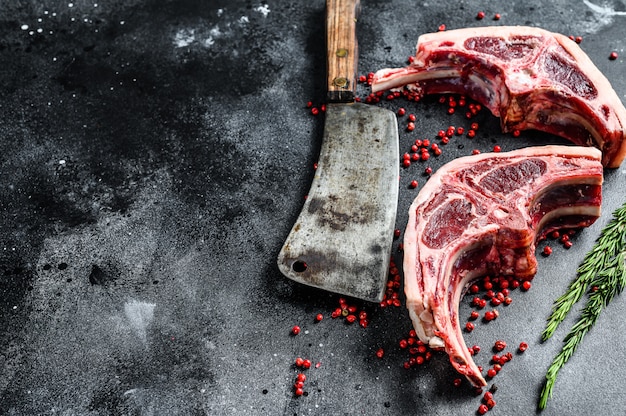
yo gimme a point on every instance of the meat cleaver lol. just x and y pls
(342, 239)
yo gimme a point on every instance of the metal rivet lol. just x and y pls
(341, 82)
(342, 52)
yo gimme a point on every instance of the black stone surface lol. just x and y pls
(154, 156)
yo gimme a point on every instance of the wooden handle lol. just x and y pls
(342, 49)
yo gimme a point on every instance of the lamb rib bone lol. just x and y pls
(529, 77)
(482, 215)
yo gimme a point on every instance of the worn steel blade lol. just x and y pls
(342, 239)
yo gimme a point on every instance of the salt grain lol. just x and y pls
(264, 10)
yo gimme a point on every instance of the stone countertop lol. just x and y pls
(155, 155)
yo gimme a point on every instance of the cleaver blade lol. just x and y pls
(342, 239)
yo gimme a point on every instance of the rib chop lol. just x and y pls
(482, 215)
(529, 77)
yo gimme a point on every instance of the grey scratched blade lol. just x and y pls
(342, 239)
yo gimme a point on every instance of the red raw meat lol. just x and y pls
(482, 215)
(529, 77)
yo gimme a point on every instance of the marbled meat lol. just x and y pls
(482, 215)
(529, 77)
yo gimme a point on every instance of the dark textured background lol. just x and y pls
(154, 156)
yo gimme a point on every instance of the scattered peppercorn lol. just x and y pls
(522, 347)
(613, 56)
(490, 315)
(499, 345)
(547, 250)
(480, 15)
(487, 396)
(295, 330)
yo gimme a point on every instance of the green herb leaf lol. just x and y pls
(602, 274)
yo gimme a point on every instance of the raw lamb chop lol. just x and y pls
(529, 77)
(482, 215)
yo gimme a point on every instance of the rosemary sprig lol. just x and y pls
(602, 274)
